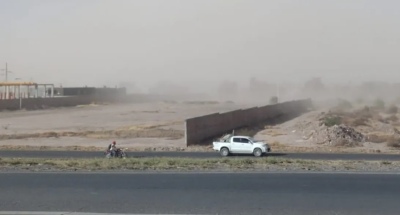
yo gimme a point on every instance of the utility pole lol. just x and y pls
(6, 72)
(277, 91)
(7, 88)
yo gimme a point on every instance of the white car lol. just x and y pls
(241, 145)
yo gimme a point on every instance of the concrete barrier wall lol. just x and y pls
(203, 128)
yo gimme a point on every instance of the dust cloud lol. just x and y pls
(242, 50)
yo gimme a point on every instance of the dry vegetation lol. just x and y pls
(273, 132)
(186, 164)
(345, 127)
(142, 126)
(377, 128)
(120, 134)
(201, 102)
(377, 123)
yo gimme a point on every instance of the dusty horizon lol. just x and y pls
(197, 45)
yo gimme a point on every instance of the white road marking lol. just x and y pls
(65, 213)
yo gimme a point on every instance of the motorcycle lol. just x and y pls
(119, 153)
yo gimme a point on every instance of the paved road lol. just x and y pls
(191, 193)
(83, 154)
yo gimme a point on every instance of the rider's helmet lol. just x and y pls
(114, 142)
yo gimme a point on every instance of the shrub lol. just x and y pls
(273, 100)
(392, 109)
(363, 113)
(394, 144)
(344, 104)
(378, 138)
(360, 101)
(379, 104)
(332, 120)
(393, 141)
(346, 143)
(392, 118)
(360, 121)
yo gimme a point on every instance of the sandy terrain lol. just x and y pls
(358, 132)
(160, 126)
(154, 125)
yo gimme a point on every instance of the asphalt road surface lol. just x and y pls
(192, 193)
(84, 154)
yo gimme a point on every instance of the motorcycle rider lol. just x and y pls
(112, 148)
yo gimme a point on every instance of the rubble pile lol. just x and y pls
(340, 135)
(360, 128)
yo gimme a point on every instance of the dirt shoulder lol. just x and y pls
(276, 148)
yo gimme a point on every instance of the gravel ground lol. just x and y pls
(159, 125)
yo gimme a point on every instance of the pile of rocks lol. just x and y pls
(341, 135)
(338, 135)
(313, 131)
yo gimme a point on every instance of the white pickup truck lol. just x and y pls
(240, 145)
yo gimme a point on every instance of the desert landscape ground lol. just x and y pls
(134, 126)
(343, 127)
(159, 126)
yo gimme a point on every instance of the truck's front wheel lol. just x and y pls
(224, 152)
(257, 152)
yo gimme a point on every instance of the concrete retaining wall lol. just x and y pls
(203, 128)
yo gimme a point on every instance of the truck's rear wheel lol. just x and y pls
(224, 152)
(257, 152)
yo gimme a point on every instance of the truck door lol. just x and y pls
(236, 145)
(246, 145)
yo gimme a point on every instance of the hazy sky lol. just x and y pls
(105, 42)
